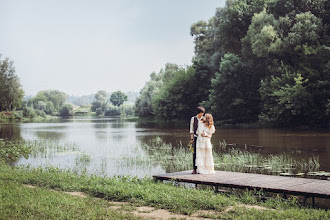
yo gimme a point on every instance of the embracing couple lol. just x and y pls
(201, 130)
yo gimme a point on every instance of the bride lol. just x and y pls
(204, 158)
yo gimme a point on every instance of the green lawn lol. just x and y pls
(17, 201)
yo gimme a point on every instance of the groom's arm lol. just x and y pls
(191, 129)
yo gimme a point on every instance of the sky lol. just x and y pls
(83, 46)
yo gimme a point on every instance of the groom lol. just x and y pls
(195, 120)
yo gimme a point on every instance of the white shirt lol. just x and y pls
(192, 124)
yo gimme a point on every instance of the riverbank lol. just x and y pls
(17, 116)
(21, 202)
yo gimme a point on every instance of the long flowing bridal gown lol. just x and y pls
(204, 158)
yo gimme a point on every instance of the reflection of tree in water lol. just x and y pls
(163, 124)
(51, 135)
(112, 129)
(10, 131)
(120, 123)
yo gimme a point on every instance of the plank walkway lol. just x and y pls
(270, 183)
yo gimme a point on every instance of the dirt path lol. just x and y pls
(150, 212)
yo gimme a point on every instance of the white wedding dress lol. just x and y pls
(204, 158)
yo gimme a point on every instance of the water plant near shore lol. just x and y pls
(12, 150)
(178, 158)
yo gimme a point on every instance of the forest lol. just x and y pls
(256, 61)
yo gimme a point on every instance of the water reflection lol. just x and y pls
(106, 140)
(10, 131)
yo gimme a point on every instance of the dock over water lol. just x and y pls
(309, 188)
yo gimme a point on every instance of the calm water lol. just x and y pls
(108, 140)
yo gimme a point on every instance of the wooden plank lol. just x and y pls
(289, 185)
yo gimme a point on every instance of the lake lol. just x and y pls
(106, 142)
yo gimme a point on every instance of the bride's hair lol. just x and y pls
(208, 120)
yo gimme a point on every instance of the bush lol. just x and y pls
(29, 112)
(128, 109)
(66, 110)
(40, 113)
(112, 110)
(18, 114)
(99, 111)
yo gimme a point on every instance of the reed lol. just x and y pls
(178, 158)
(12, 150)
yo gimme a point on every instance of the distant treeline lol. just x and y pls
(256, 61)
(53, 102)
(88, 99)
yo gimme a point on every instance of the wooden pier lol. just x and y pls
(309, 188)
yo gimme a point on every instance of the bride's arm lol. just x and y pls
(212, 130)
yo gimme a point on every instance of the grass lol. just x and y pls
(19, 202)
(178, 158)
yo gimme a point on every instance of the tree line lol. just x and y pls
(51, 102)
(112, 106)
(256, 61)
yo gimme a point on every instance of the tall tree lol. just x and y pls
(100, 99)
(11, 93)
(118, 98)
(234, 95)
(56, 97)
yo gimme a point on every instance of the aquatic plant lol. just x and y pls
(178, 158)
(12, 150)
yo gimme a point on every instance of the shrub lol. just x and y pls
(66, 110)
(29, 112)
(112, 110)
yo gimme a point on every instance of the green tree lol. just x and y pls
(143, 104)
(176, 98)
(118, 98)
(285, 98)
(254, 59)
(234, 96)
(57, 98)
(11, 93)
(112, 110)
(66, 110)
(100, 99)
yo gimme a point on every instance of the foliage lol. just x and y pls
(102, 106)
(173, 100)
(50, 101)
(29, 112)
(118, 98)
(11, 93)
(128, 109)
(254, 60)
(112, 110)
(143, 104)
(234, 95)
(99, 100)
(66, 110)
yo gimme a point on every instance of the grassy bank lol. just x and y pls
(19, 202)
(17, 116)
